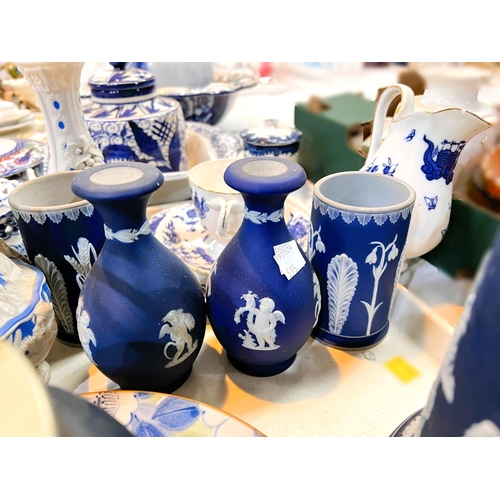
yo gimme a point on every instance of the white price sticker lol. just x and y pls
(289, 259)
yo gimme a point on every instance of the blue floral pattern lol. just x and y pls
(149, 414)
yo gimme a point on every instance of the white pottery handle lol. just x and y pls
(405, 108)
(226, 209)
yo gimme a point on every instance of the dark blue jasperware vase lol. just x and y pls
(263, 300)
(464, 398)
(141, 313)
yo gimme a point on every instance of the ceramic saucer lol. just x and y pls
(20, 123)
(152, 414)
(219, 144)
(17, 155)
(408, 427)
(179, 229)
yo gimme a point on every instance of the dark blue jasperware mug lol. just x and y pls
(63, 235)
(359, 228)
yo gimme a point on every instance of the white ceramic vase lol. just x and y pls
(56, 85)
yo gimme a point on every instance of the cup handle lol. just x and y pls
(405, 108)
(226, 207)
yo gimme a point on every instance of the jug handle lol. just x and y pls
(405, 108)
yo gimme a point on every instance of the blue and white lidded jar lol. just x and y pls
(141, 313)
(263, 296)
(130, 122)
(272, 139)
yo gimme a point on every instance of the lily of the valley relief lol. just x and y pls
(177, 324)
(261, 323)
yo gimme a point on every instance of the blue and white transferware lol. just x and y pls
(210, 103)
(272, 139)
(130, 122)
(179, 229)
(141, 312)
(9, 230)
(62, 235)
(17, 155)
(56, 86)
(358, 236)
(263, 296)
(422, 147)
(462, 401)
(27, 317)
(151, 414)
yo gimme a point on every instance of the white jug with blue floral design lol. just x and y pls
(421, 147)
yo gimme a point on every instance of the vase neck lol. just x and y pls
(265, 211)
(120, 216)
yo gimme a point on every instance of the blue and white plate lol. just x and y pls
(219, 144)
(152, 414)
(179, 229)
(17, 155)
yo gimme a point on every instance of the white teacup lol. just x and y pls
(219, 207)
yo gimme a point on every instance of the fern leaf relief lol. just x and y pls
(342, 280)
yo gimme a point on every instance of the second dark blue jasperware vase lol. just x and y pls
(141, 314)
(262, 294)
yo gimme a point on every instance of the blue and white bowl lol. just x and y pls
(27, 318)
(272, 139)
(211, 103)
(130, 122)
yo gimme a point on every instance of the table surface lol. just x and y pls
(326, 392)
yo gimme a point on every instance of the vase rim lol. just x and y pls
(95, 184)
(265, 176)
(404, 195)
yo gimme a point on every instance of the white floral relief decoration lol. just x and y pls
(362, 218)
(55, 216)
(315, 242)
(83, 154)
(262, 217)
(127, 235)
(83, 260)
(387, 253)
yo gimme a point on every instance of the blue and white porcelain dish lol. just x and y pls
(152, 414)
(210, 104)
(178, 228)
(219, 144)
(27, 317)
(17, 155)
(408, 427)
(130, 122)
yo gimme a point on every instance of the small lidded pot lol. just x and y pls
(130, 122)
(272, 139)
